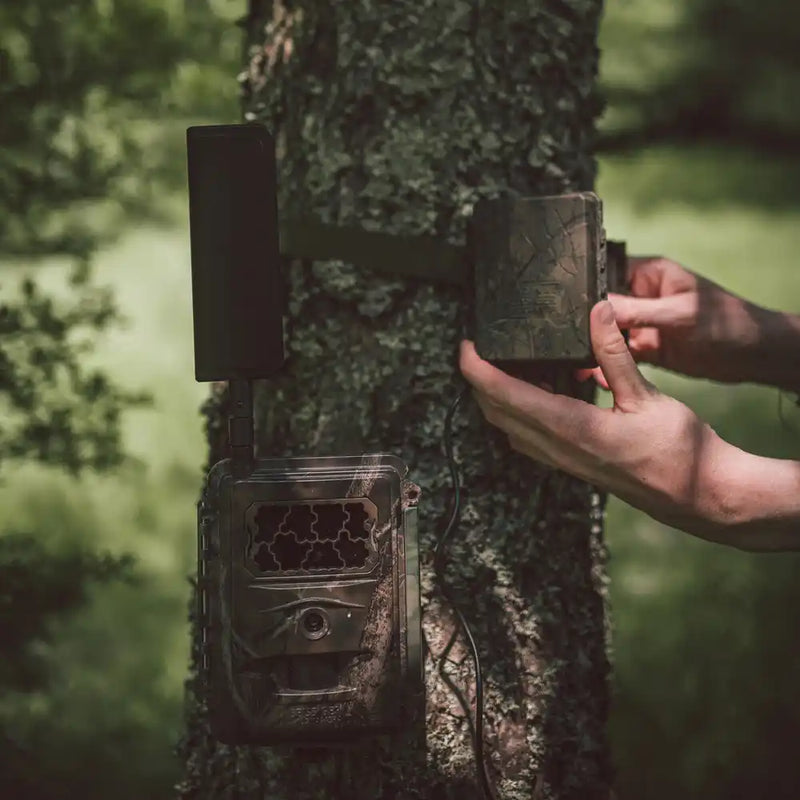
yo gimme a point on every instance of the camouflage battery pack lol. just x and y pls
(539, 267)
(309, 600)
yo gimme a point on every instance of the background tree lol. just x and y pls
(398, 117)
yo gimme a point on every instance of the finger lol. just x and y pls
(673, 311)
(522, 438)
(600, 379)
(645, 345)
(558, 455)
(561, 450)
(645, 275)
(582, 375)
(526, 402)
(614, 358)
(578, 450)
(656, 276)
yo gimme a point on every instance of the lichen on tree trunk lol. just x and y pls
(397, 116)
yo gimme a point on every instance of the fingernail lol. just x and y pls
(606, 313)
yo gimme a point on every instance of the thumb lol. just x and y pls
(671, 311)
(614, 358)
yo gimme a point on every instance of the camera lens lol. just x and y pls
(313, 622)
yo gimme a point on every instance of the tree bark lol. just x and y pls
(398, 117)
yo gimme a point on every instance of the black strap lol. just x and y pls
(407, 256)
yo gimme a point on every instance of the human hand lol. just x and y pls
(649, 449)
(686, 323)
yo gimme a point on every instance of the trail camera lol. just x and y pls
(539, 267)
(308, 571)
(310, 599)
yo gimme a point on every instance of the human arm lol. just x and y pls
(649, 449)
(687, 323)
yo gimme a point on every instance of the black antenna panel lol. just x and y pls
(237, 290)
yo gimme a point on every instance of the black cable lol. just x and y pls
(476, 728)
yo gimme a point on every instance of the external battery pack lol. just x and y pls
(539, 267)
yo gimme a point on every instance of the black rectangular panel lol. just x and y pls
(237, 291)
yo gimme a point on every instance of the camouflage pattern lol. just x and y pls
(540, 266)
(309, 597)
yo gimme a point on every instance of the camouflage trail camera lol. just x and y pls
(309, 579)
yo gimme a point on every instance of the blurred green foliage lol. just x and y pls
(53, 408)
(718, 70)
(38, 586)
(38, 582)
(95, 97)
(82, 83)
(105, 714)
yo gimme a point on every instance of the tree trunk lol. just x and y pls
(397, 117)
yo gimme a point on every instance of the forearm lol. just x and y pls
(759, 503)
(775, 359)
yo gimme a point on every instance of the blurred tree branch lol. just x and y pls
(720, 71)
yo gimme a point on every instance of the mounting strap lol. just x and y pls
(408, 256)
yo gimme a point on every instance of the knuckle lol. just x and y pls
(493, 389)
(615, 344)
(651, 389)
(493, 416)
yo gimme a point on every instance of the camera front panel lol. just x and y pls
(305, 583)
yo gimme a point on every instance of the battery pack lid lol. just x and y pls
(540, 266)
